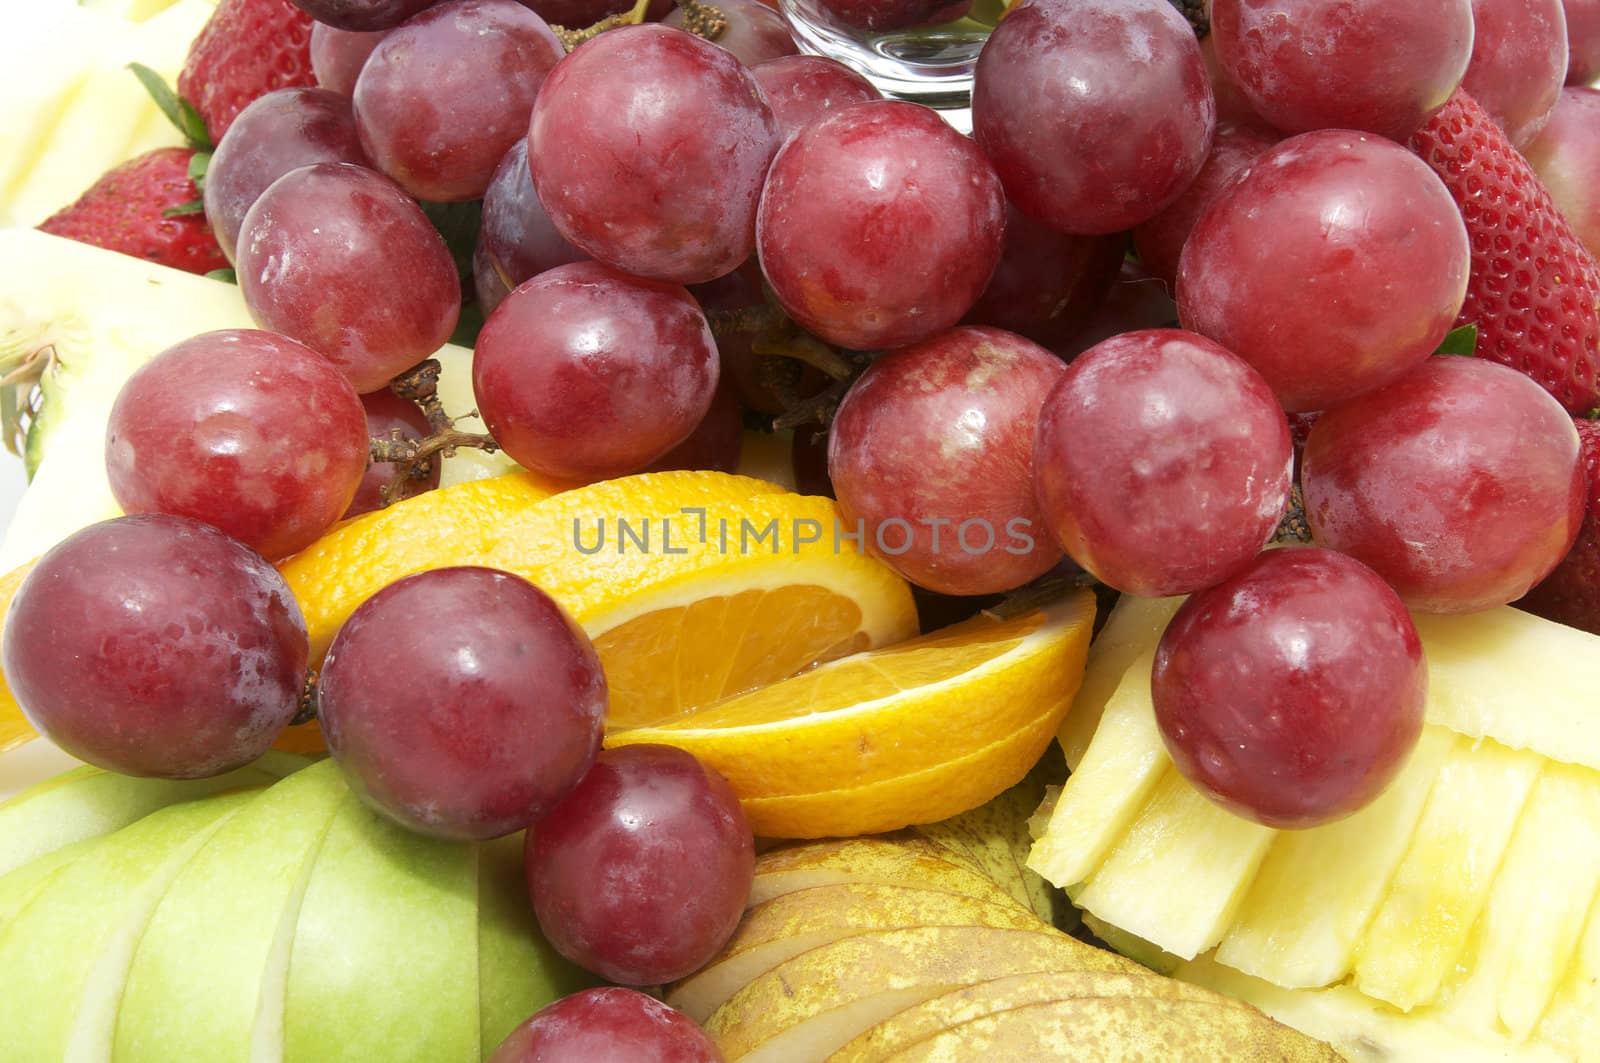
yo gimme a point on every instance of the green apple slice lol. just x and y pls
(386, 948)
(86, 802)
(217, 947)
(76, 938)
(18, 888)
(518, 970)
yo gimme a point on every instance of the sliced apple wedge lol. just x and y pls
(1177, 876)
(1111, 784)
(86, 802)
(1317, 889)
(1443, 883)
(76, 939)
(217, 948)
(1532, 924)
(822, 999)
(422, 936)
(18, 888)
(518, 970)
(890, 860)
(797, 922)
(928, 1019)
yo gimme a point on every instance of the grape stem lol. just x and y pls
(1195, 12)
(413, 458)
(571, 38)
(1293, 528)
(1041, 592)
(308, 700)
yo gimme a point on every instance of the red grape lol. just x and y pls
(583, 372)
(517, 233)
(339, 258)
(1135, 301)
(1232, 106)
(648, 147)
(444, 97)
(337, 56)
(1372, 65)
(1460, 483)
(1292, 693)
(1519, 63)
(488, 282)
(1336, 263)
(1048, 283)
(1160, 240)
(362, 14)
(608, 1025)
(880, 225)
(716, 441)
(755, 33)
(933, 450)
(279, 132)
(803, 88)
(250, 432)
(388, 413)
(1159, 438)
(156, 645)
(1566, 156)
(1095, 113)
(462, 702)
(641, 873)
(1583, 40)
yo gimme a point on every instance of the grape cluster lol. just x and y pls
(666, 232)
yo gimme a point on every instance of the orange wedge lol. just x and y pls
(910, 734)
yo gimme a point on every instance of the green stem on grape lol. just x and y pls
(758, 317)
(413, 458)
(1041, 592)
(571, 38)
(307, 711)
(804, 347)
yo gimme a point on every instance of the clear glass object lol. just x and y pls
(930, 64)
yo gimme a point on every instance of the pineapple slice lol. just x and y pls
(1572, 1022)
(1317, 889)
(1481, 673)
(1364, 1030)
(1177, 877)
(1130, 632)
(1111, 784)
(1531, 925)
(1443, 883)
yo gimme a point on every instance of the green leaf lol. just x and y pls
(227, 275)
(1463, 341)
(177, 109)
(199, 164)
(184, 209)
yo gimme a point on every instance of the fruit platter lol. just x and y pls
(800, 531)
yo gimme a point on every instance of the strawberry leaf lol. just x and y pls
(177, 109)
(184, 209)
(227, 275)
(1463, 341)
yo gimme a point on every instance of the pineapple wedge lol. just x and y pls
(1130, 633)
(1318, 889)
(1572, 1021)
(1443, 882)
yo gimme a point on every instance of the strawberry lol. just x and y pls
(1571, 594)
(1534, 292)
(247, 49)
(126, 211)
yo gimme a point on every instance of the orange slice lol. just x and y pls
(910, 734)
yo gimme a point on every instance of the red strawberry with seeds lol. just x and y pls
(126, 210)
(1571, 594)
(247, 49)
(1535, 291)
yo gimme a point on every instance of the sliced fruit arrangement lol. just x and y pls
(1460, 899)
(232, 919)
(906, 947)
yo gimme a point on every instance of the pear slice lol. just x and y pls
(785, 927)
(383, 899)
(890, 860)
(86, 802)
(75, 940)
(217, 948)
(1572, 1021)
(1131, 631)
(822, 999)
(519, 972)
(1179, 874)
(1443, 883)
(1118, 1029)
(1111, 784)
(1533, 922)
(931, 1017)
(1318, 889)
